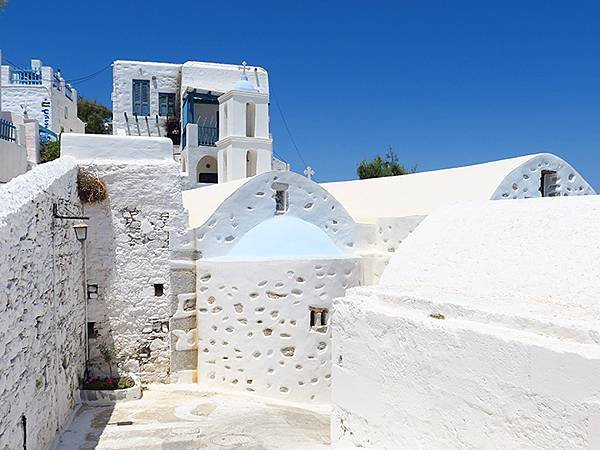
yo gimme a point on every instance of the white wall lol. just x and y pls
(163, 77)
(253, 325)
(479, 335)
(99, 147)
(254, 202)
(41, 305)
(220, 78)
(14, 160)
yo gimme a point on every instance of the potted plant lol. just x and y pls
(99, 390)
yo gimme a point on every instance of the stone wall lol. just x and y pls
(129, 274)
(42, 345)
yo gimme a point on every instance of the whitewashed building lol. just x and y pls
(217, 116)
(19, 142)
(41, 93)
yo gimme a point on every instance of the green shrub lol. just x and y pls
(50, 151)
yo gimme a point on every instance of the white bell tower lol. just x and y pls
(245, 147)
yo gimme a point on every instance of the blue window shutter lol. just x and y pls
(162, 106)
(145, 97)
(136, 98)
(141, 97)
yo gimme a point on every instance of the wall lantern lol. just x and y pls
(80, 227)
(80, 231)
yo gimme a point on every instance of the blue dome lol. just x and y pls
(244, 85)
(284, 237)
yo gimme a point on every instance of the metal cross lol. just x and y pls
(244, 64)
(309, 172)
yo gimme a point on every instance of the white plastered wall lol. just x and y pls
(220, 223)
(479, 336)
(253, 325)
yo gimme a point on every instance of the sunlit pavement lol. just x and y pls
(172, 417)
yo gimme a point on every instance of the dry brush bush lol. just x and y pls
(90, 187)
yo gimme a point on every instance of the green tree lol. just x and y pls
(94, 115)
(49, 151)
(379, 166)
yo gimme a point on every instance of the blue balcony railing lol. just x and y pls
(207, 136)
(56, 82)
(8, 131)
(47, 135)
(26, 76)
(68, 92)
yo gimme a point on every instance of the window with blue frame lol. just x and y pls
(166, 104)
(141, 97)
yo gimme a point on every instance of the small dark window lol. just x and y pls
(166, 104)
(92, 332)
(281, 197)
(159, 289)
(318, 318)
(549, 183)
(204, 177)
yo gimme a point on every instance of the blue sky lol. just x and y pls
(444, 83)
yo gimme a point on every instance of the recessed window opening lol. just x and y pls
(207, 170)
(251, 163)
(92, 291)
(159, 289)
(281, 198)
(549, 183)
(166, 104)
(250, 119)
(92, 332)
(318, 317)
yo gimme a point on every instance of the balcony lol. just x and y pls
(207, 136)
(68, 92)
(8, 131)
(56, 82)
(26, 76)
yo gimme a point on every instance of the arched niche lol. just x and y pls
(207, 170)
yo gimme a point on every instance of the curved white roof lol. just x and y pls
(202, 202)
(421, 193)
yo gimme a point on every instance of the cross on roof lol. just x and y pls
(309, 172)
(244, 64)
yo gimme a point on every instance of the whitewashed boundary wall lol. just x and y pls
(42, 354)
(483, 335)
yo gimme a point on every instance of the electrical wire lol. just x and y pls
(73, 81)
(289, 131)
